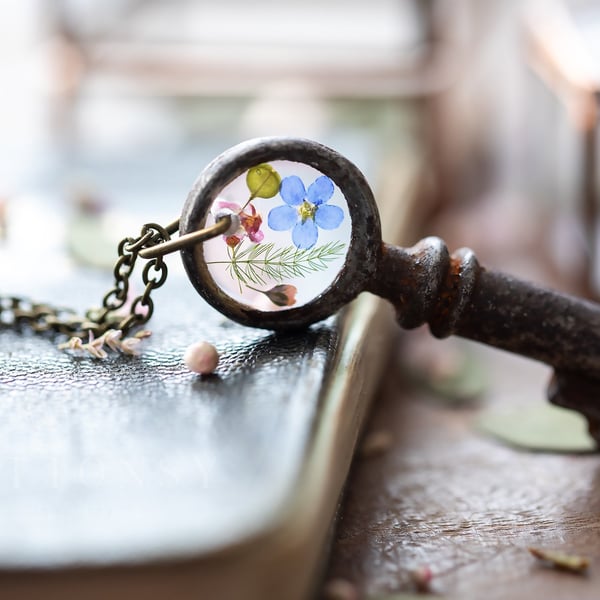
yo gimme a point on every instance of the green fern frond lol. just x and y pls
(261, 262)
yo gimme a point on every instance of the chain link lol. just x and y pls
(16, 311)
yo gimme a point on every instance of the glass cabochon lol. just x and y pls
(289, 240)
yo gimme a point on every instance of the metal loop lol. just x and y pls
(123, 246)
(144, 298)
(138, 318)
(160, 268)
(158, 231)
(134, 246)
(191, 239)
(42, 318)
(119, 292)
(123, 265)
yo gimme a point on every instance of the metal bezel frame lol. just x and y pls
(363, 254)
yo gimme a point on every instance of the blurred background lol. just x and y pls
(109, 111)
(475, 119)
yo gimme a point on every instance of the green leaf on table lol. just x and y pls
(464, 386)
(455, 376)
(543, 428)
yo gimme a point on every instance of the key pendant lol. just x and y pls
(296, 235)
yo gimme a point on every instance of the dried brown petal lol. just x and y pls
(560, 560)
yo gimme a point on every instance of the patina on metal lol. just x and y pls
(454, 295)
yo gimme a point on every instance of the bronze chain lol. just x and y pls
(41, 317)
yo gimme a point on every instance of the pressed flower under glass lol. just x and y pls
(291, 236)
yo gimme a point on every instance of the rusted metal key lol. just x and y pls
(457, 296)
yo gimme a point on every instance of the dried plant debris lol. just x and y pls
(376, 443)
(111, 339)
(562, 561)
(340, 589)
(420, 587)
(543, 428)
(422, 578)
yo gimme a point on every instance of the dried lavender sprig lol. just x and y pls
(112, 339)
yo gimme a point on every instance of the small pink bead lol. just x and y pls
(202, 358)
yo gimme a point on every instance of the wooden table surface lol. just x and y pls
(446, 497)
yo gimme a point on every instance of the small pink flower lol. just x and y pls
(250, 223)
